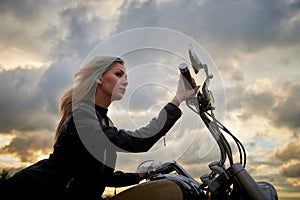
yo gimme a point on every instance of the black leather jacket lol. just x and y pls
(77, 166)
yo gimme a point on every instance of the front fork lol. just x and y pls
(235, 183)
(246, 183)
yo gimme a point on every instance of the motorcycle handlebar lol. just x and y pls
(166, 168)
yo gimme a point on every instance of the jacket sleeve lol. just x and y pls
(96, 136)
(121, 179)
(99, 143)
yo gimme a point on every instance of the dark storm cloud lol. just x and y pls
(22, 103)
(81, 32)
(26, 144)
(25, 113)
(291, 169)
(267, 102)
(289, 110)
(291, 151)
(23, 10)
(252, 102)
(22, 106)
(248, 24)
(23, 24)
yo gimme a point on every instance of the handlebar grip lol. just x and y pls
(188, 81)
(164, 168)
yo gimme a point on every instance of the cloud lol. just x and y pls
(230, 71)
(289, 152)
(250, 25)
(65, 29)
(290, 169)
(29, 146)
(294, 182)
(273, 99)
(22, 106)
(84, 31)
(83, 28)
(23, 24)
(288, 111)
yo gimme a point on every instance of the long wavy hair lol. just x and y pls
(84, 83)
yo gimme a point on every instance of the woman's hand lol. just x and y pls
(182, 92)
(142, 172)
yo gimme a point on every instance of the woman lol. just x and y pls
(84, 156)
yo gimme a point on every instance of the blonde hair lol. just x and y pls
(84, 83)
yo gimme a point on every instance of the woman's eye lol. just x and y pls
(119, 74)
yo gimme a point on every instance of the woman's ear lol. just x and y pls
(99, 81)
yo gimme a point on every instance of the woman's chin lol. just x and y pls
(117, 97)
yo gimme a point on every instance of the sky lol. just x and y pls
(252, 47)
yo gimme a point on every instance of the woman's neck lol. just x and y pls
(102, 100)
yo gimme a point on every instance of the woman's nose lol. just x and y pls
(125, 81)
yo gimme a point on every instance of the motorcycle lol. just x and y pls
(169, 180)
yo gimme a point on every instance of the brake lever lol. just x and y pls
(207, 94)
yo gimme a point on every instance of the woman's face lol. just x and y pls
(113, 83)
